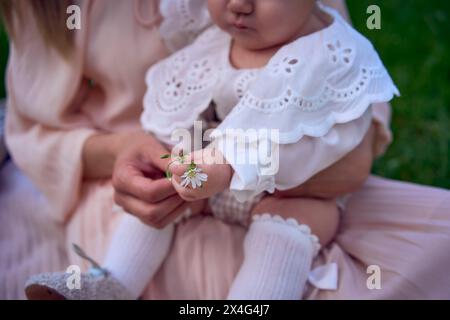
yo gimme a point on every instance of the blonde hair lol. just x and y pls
(50, 17)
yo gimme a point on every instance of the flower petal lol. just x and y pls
(185, 182)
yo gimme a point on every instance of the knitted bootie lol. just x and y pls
(96, 284)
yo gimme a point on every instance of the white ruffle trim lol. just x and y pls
(324, 277)
(318, 127)
(302, 228)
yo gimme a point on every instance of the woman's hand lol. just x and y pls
(141, 187)
(100, 152)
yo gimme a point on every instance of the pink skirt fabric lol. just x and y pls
(402, 228)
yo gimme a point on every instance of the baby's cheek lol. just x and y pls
(271, 36)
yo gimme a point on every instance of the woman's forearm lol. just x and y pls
(100, 151)
(99, 155)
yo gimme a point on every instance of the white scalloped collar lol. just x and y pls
(299, 42)
(327, 77)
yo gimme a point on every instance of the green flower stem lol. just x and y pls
(181, 159)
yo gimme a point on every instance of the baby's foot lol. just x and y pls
(57, 286)
(97, 284)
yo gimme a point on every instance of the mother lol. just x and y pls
(74, 101)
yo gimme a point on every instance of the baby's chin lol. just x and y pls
(255, 44)
(253, 39)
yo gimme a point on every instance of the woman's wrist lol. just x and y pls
(120, 141)
(100, 152)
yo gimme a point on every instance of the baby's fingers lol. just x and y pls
(185, 191)
(189, 176)
(178, 169)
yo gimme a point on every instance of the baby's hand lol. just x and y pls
(201, 175)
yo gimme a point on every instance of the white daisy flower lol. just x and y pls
(194, 177)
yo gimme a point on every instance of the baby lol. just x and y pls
(286, 77)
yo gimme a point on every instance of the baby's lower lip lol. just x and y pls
(240, 26)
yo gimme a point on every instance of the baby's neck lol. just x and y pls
(244, 58)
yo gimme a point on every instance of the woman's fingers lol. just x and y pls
(130, 180)
(139, 170)
(148, 213)
(140, 188)
(173, 216)
(148, 150)
(195, 208)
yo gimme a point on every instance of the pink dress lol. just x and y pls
(402, 228)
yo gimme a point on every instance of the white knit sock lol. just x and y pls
(278, 255)
(136, 252)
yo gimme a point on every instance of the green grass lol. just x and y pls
(414, 43)
(3, 59)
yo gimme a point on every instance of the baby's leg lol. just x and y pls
(136, 252)
(322, 216)
(277, 252)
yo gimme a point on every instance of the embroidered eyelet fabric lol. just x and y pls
(316, 92)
